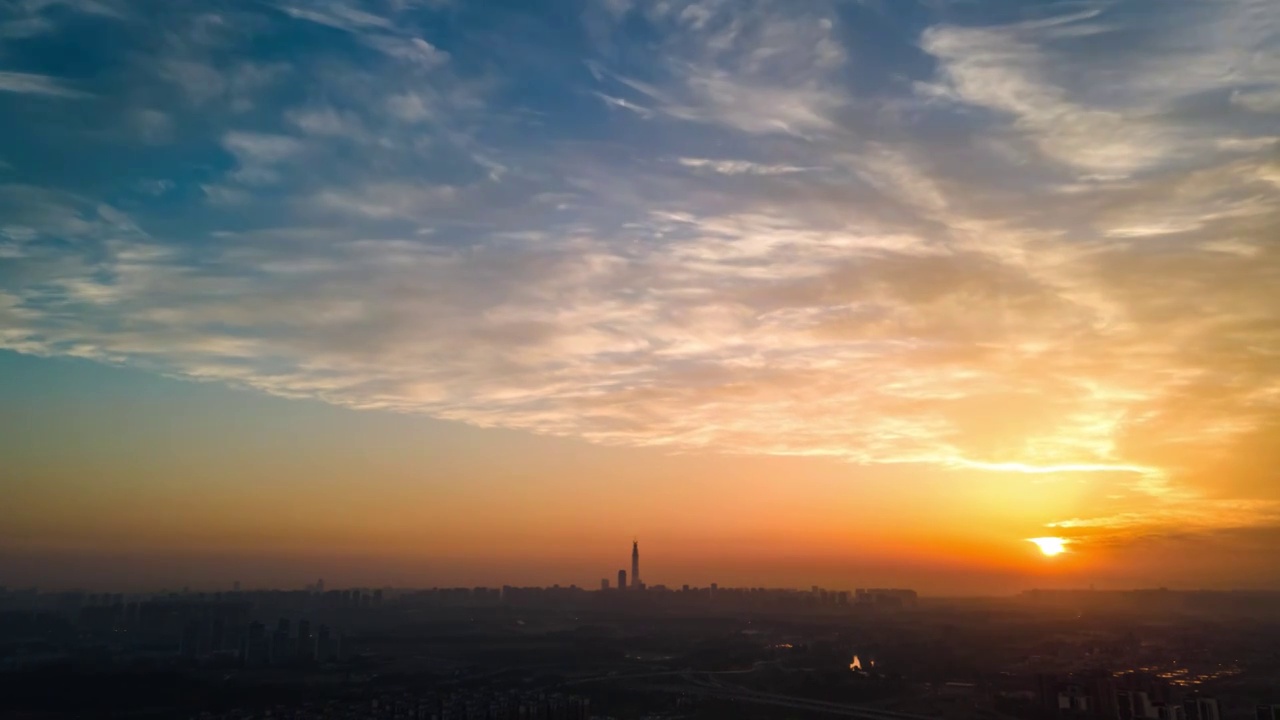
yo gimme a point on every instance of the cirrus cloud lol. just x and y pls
(1005, 245)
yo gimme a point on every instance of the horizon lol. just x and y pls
(149, 573)
(322, 585)
(659, 588)
(968, 298)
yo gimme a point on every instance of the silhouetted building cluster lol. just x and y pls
(781, 599)
(284, 647)
(219, 628)
(627, 594)
(635, 645)
(885, 597)
(1132, 696)
(450, 706)
(1227, 602)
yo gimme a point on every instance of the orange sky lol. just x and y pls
(203, 487)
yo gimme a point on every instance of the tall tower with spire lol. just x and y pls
(635, 564)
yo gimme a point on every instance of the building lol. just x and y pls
(622, 579)
(282, 647)
(306, 644)
(1201, 708)
(328, 645)
(635, 564)
(604, 583)
(257, 649)
(1075, 699)
(1136, 705)
(885, 597)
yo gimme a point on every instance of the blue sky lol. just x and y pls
(1007, 237)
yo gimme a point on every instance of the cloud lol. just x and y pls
(260, 147)
(1262, 101)
(223, 195)
(155, 187)
(199, 81)
(1041, 252)
(997, 69)
(204, 82)
(327, 122)
(101, 8)
(1114, 113)
(153, 126)
(25, 27)
(740, 167)
(257, 154)
(625, 105)
(25, 20)
(415, 51)
(385, 200)
(340, 15)
(29, 84)
(758, 68)
(246, 80)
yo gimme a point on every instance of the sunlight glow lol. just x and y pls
(1050, 546)
(1031, 469)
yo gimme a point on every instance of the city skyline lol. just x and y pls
(166, 582)
(964, 297)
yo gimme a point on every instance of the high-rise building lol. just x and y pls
(1074, 699)
(604, 583)
(635, 564)
(306, 645)
(282, 647)
(190, 644)
(1136, 705)
(257, 649)
(324, 645)
(622, 579)
(1201, 708)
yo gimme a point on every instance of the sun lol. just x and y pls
(1050, 546)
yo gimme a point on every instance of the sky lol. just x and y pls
(835, 292)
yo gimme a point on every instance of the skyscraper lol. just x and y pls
(622, 579)
(635, 564)
(306, 643)
(1201, 708)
